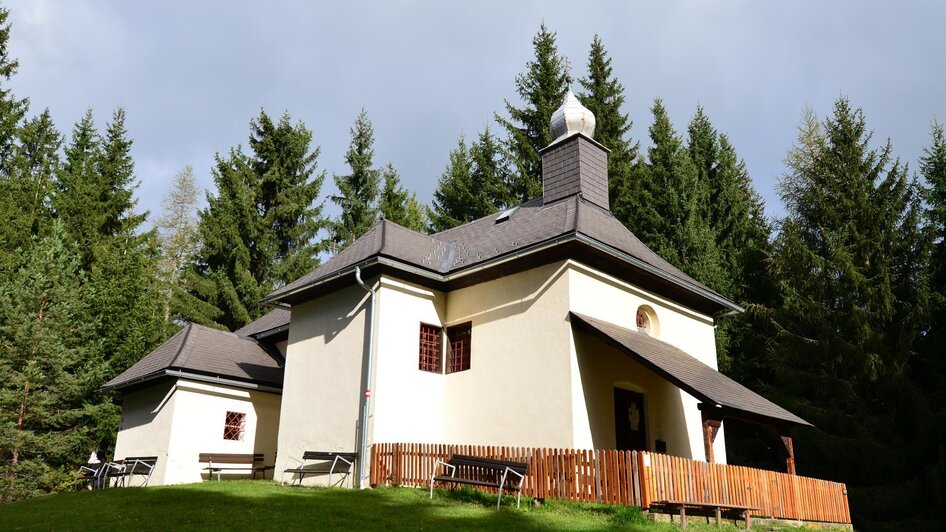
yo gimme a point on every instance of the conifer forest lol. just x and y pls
(845, 292)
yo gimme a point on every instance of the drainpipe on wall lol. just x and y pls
(363, 454)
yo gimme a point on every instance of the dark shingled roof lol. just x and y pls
(274, 319)
(208, 352)
(482, 240)
(686, 372)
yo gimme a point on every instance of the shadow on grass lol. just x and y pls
(259, 505)
(265, 505)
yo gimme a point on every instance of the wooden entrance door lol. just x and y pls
(629, 423)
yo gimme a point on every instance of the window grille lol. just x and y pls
(431, 348)
(234, 425)
(458, 356)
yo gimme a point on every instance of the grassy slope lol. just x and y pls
(253, 505)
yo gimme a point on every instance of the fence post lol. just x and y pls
(396, 473)
(644, 459)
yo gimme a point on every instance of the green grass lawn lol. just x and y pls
(254, 505)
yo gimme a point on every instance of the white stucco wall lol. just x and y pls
(323, 377)
(603, 368)
(144, 432)
(604, 297)
(198, 427)
(517, 391)
(408, 404)
(532, 382)
(178, 420)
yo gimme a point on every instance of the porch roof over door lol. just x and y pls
(709, 386)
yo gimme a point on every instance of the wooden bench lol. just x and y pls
(348, 459)
(128, 468)
(233, 462)
(730, 511)
(472, 470)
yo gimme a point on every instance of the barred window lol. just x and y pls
(431, 348)
(458, 354)
(233, 426)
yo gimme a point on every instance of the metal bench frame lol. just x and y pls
(499, 466)
(129, 467)
(335, 457)
(95, 475)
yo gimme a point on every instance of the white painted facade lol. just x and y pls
(532, 381)
(176, 420)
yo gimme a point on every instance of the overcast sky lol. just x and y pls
(191, 75)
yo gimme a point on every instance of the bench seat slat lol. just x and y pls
(477, 461)
(461, 480)
(328, 455)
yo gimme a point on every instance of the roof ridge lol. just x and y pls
(180, 349)
(382, 237)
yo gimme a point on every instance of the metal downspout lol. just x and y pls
(363, 454)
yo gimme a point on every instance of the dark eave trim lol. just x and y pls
(653, 270)
(571, 236)
(184, 374)
(269, 333)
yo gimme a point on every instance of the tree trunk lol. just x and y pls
(24, 401)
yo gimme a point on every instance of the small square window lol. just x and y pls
(431, 348)
(234, 425)
(458, 354)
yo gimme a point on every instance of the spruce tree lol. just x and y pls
(929, 366)
(116, 173)
(489, 174)
(94, 200)
(257, 233)
(76, 198)
(852, 298)
(285, 165)
(453, 196)
(473, 185)
(541, 89)
(703, 148)
(398, 205)
(933, 170)
(603, 95)
(228, 275)
(47, 351)
(12, 110)
(669, 220)
(730, 207)
(25, 193)
(358, 190)
(123, 263)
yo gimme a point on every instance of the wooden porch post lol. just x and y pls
(710, 429)
(790, 458)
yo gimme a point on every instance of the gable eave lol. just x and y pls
(687, 293)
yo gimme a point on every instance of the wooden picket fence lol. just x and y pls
(774, 494)
(628, 478)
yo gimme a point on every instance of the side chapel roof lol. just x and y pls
(204, 352)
